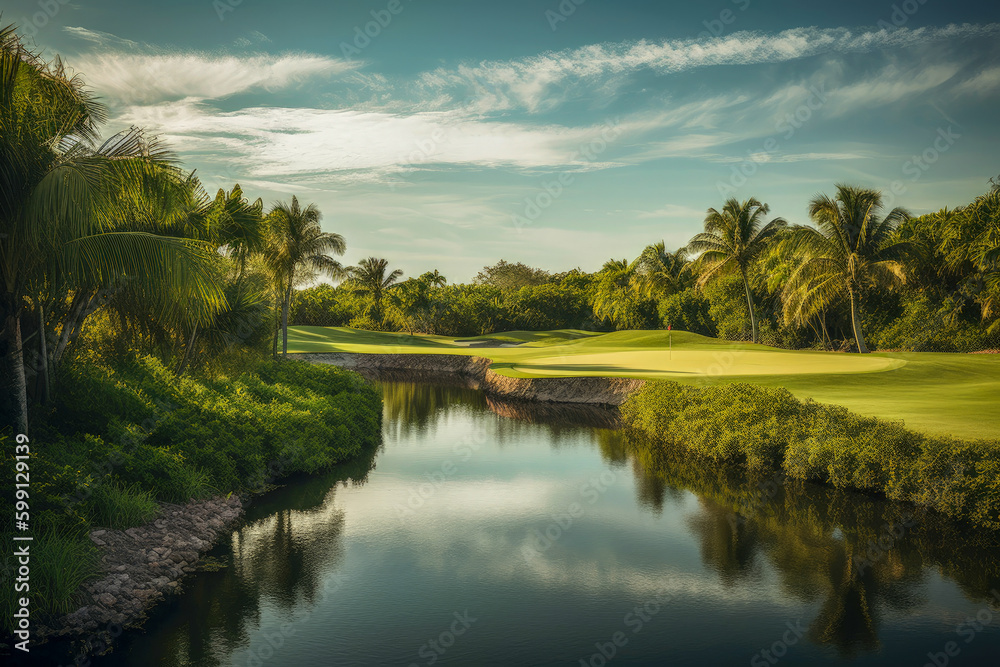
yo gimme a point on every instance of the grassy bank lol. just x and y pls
(123, 436)
(768, 428)
(935, 393)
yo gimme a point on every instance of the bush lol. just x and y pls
(188, 436)
(687, 311)
(766, 427)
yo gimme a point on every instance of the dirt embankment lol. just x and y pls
(595, 391)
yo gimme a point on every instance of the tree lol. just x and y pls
(659, 272)
(734, 239)
(413, 301)
(297, 247)
(511, 277)
(370, 277)
(61, 197)
(613, 296)
(850, 251)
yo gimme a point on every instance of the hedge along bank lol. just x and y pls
(764, 427)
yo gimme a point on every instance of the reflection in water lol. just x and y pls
(858, 554)
(289, 540)
(852, 565)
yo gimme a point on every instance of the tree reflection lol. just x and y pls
(287, 546)
(857, 554)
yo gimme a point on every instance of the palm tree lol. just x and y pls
(434, 278)
(298, 247)
(733, 240)
(613, 294)
(370, 276)
(850, 251)
(659, 271)
(61, 197)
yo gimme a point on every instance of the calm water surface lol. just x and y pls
(493, 534)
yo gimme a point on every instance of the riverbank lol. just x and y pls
(140, 566)
(587, 390)
(943, 394)
(128, 464)
(763, 428)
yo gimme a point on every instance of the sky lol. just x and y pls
(447, 134)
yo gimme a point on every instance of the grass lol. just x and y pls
(115, 505)
(935, 393)
(61, 561)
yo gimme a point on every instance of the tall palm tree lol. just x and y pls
(849, 251)
(298, 247)
(370, 276)
(734, 240)
(61, 197)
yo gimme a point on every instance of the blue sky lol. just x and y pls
(455, 134)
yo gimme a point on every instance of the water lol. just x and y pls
(484, 533)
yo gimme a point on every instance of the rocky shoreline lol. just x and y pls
(139, 566)
(588, 390)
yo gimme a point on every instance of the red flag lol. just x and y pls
(668, 327)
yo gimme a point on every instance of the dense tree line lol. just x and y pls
(856, 277)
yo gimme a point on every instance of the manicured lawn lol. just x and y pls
(956, 394)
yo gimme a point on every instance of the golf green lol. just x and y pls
(950, 394)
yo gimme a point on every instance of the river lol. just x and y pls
(484, 533)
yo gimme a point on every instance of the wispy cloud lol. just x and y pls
(148, 79)
(542, 82)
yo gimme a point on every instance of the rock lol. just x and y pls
(97, 533)
(106, 599)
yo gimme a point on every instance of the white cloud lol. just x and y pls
(541, 82)
(290, 141)
(984, 83)
(145, 78)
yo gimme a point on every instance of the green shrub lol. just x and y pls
(767, 427)
(188, 436)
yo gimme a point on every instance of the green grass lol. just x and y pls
(115, 505)
(61, 561)
(938, 393)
